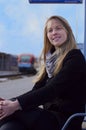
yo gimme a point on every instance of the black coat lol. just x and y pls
(64, 93)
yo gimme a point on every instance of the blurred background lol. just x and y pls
(22, 26)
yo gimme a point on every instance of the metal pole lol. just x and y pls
(85, 29)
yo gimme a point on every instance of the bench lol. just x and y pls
(74, 116)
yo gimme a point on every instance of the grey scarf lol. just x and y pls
(51, 60)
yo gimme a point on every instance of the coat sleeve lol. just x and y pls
(66, 84)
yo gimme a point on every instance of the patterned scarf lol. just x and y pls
(51, 60)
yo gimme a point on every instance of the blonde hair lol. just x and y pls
(64, 49)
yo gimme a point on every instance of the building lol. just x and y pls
(8, 62)
(81, 47)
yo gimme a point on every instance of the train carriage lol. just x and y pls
(26, 63)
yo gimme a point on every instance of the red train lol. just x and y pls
(26, 63)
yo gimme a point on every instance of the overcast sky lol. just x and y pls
(22, 24)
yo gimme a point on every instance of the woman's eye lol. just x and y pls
(55, 29)
(50, 30)
(59, 28)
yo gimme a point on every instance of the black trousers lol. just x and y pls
(37, 119)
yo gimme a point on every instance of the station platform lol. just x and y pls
(7, 73)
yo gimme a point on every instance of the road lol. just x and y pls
(15, 86)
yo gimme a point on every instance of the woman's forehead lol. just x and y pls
(54, 22)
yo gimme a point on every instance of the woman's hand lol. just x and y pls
(8, 107)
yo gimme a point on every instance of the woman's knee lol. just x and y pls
(12, 126)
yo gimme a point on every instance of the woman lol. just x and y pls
(59, 87)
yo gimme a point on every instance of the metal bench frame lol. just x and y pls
(72, 117)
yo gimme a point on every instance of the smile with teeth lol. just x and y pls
(56, 38)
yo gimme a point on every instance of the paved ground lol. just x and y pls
(13, 86)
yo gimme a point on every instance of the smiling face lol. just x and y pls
(56, 32)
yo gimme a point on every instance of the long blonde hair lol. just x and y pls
(64, 49)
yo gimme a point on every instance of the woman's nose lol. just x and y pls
(54, 31)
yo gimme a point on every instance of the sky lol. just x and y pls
(22, 24)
